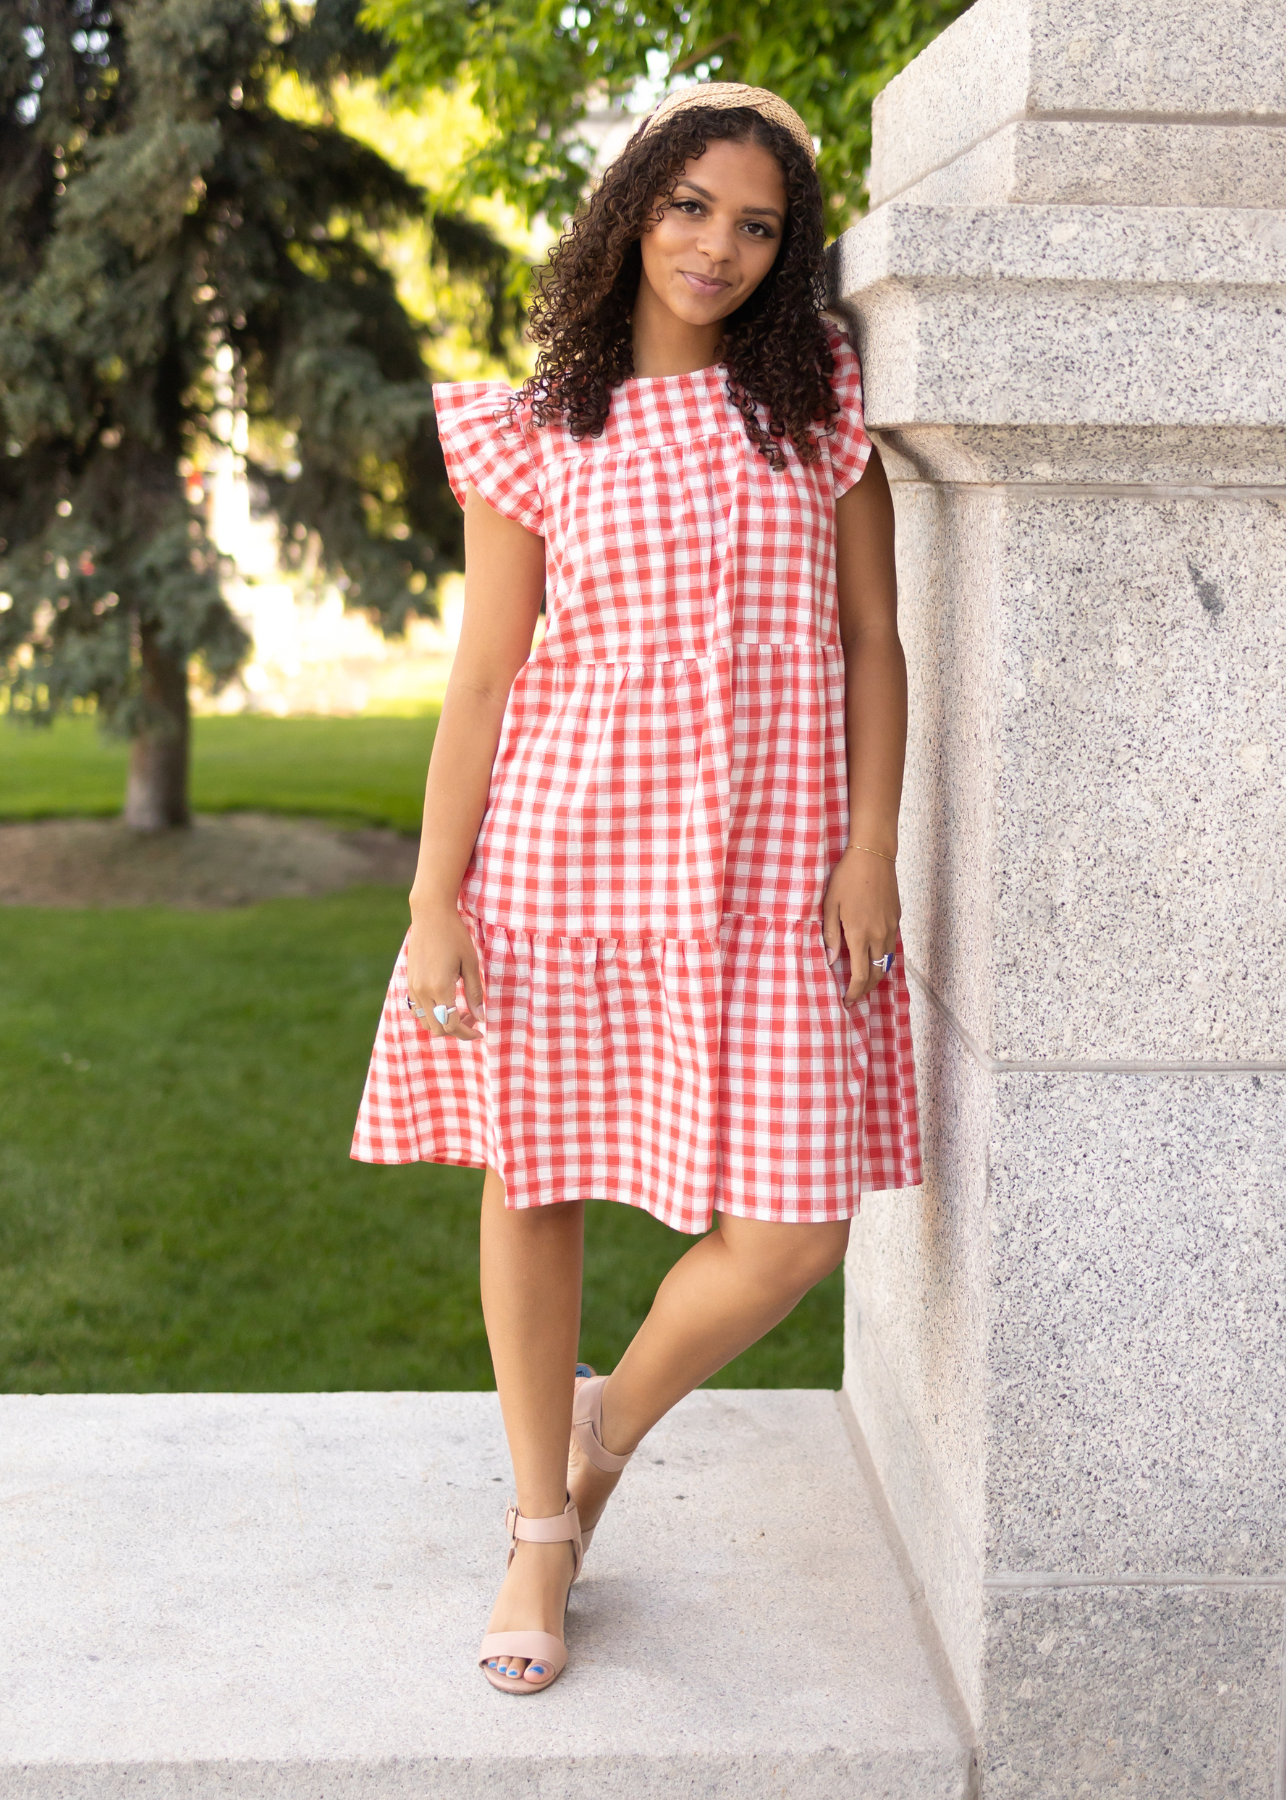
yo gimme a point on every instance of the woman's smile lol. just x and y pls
(703, 284)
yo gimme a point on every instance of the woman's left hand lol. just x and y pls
(861, 908)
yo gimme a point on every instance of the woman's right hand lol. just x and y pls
(439, 956)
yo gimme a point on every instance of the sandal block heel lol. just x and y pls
(587, 1430)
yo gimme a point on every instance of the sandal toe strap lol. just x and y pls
(536, 1646)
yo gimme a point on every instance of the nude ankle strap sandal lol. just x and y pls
(587, 1429)
(537, 1646)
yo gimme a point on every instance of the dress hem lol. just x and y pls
(464, 1160)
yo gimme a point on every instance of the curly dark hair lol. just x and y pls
(775, 346)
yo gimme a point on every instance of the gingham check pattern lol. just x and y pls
(668, 798)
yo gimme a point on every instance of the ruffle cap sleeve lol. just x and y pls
(487, 448)
(850, 448)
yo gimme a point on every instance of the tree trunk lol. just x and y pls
(156, 794)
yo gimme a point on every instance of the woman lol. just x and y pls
(662, 844)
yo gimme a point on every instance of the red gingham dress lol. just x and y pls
(668, 799)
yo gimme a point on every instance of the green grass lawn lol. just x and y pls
(362, 770)
(177, 1207)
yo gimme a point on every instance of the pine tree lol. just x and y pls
(173, 247)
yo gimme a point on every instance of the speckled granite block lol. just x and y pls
(1012, 59)
(1068, 162)
(1141, 845)
(968, 83)
(1170, 1692)
(1136, 1328)
(1014, 315)
(1095, 770)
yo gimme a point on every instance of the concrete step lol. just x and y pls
(280, 1596)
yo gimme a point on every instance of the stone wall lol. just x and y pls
(1068, 1350)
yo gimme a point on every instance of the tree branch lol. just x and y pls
(703, 55)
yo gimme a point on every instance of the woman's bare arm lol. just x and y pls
(862, 900)
(504, 578)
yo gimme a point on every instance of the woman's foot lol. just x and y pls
(533, 1597)
(590, 1485)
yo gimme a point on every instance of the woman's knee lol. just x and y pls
(792, 1258)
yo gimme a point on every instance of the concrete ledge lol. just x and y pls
(280, 1596)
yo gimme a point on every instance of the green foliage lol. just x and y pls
(366, 771)
(173, 251)
(536, 65)
(177, 1206)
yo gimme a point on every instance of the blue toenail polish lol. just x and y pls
(537, 1669)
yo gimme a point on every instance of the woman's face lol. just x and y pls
(718, 234)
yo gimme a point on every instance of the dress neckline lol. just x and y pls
(710, 369)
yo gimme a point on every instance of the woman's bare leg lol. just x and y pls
(531, 1294)
(730, 1288)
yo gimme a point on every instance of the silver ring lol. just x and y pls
(412, 1007)
(442, 1013)
(883, 963)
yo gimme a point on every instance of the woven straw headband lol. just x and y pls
(722, 95)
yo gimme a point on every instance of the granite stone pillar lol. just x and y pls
(1067, 1351)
